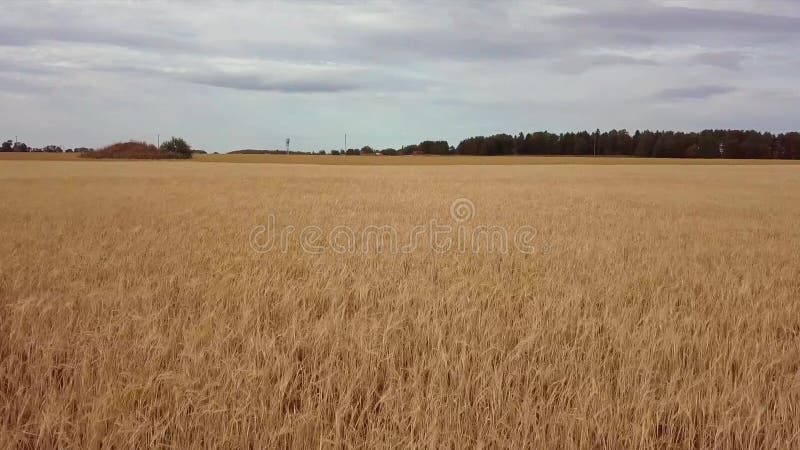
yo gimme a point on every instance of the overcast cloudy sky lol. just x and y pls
(229, 75)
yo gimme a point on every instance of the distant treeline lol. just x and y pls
(265, 152)
(427, 147)
(21, 147)
(653, 144)
(649, 144)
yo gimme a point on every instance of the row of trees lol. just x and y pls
(11, 146)
(655, 144)
(175, 146)
(649, 144)
(426, 147)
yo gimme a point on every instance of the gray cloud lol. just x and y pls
(695, 92)
(23, 85)
(724, 59)
(577, 65)
(318, 80)
(21, 67)
(259, 83)
(681, 20)
(14, 34)
(240, 81)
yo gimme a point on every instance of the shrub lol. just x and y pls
(177, 146)
(131, 150)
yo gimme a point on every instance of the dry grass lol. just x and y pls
(39, 156)
(662, 309)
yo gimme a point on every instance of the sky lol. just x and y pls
(238, 74)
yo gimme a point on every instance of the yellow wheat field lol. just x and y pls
(661, 308)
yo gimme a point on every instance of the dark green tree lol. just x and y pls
(434, 147)
(177, 146)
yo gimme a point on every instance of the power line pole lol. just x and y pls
(345, 142)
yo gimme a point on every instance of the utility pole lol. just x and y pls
(345, 142)
(159, 141)
(596, 135)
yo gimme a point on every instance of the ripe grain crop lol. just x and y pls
(661, 308)
(466, 160)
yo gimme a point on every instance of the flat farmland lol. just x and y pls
(191, 305)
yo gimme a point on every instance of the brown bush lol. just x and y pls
(131, 150)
